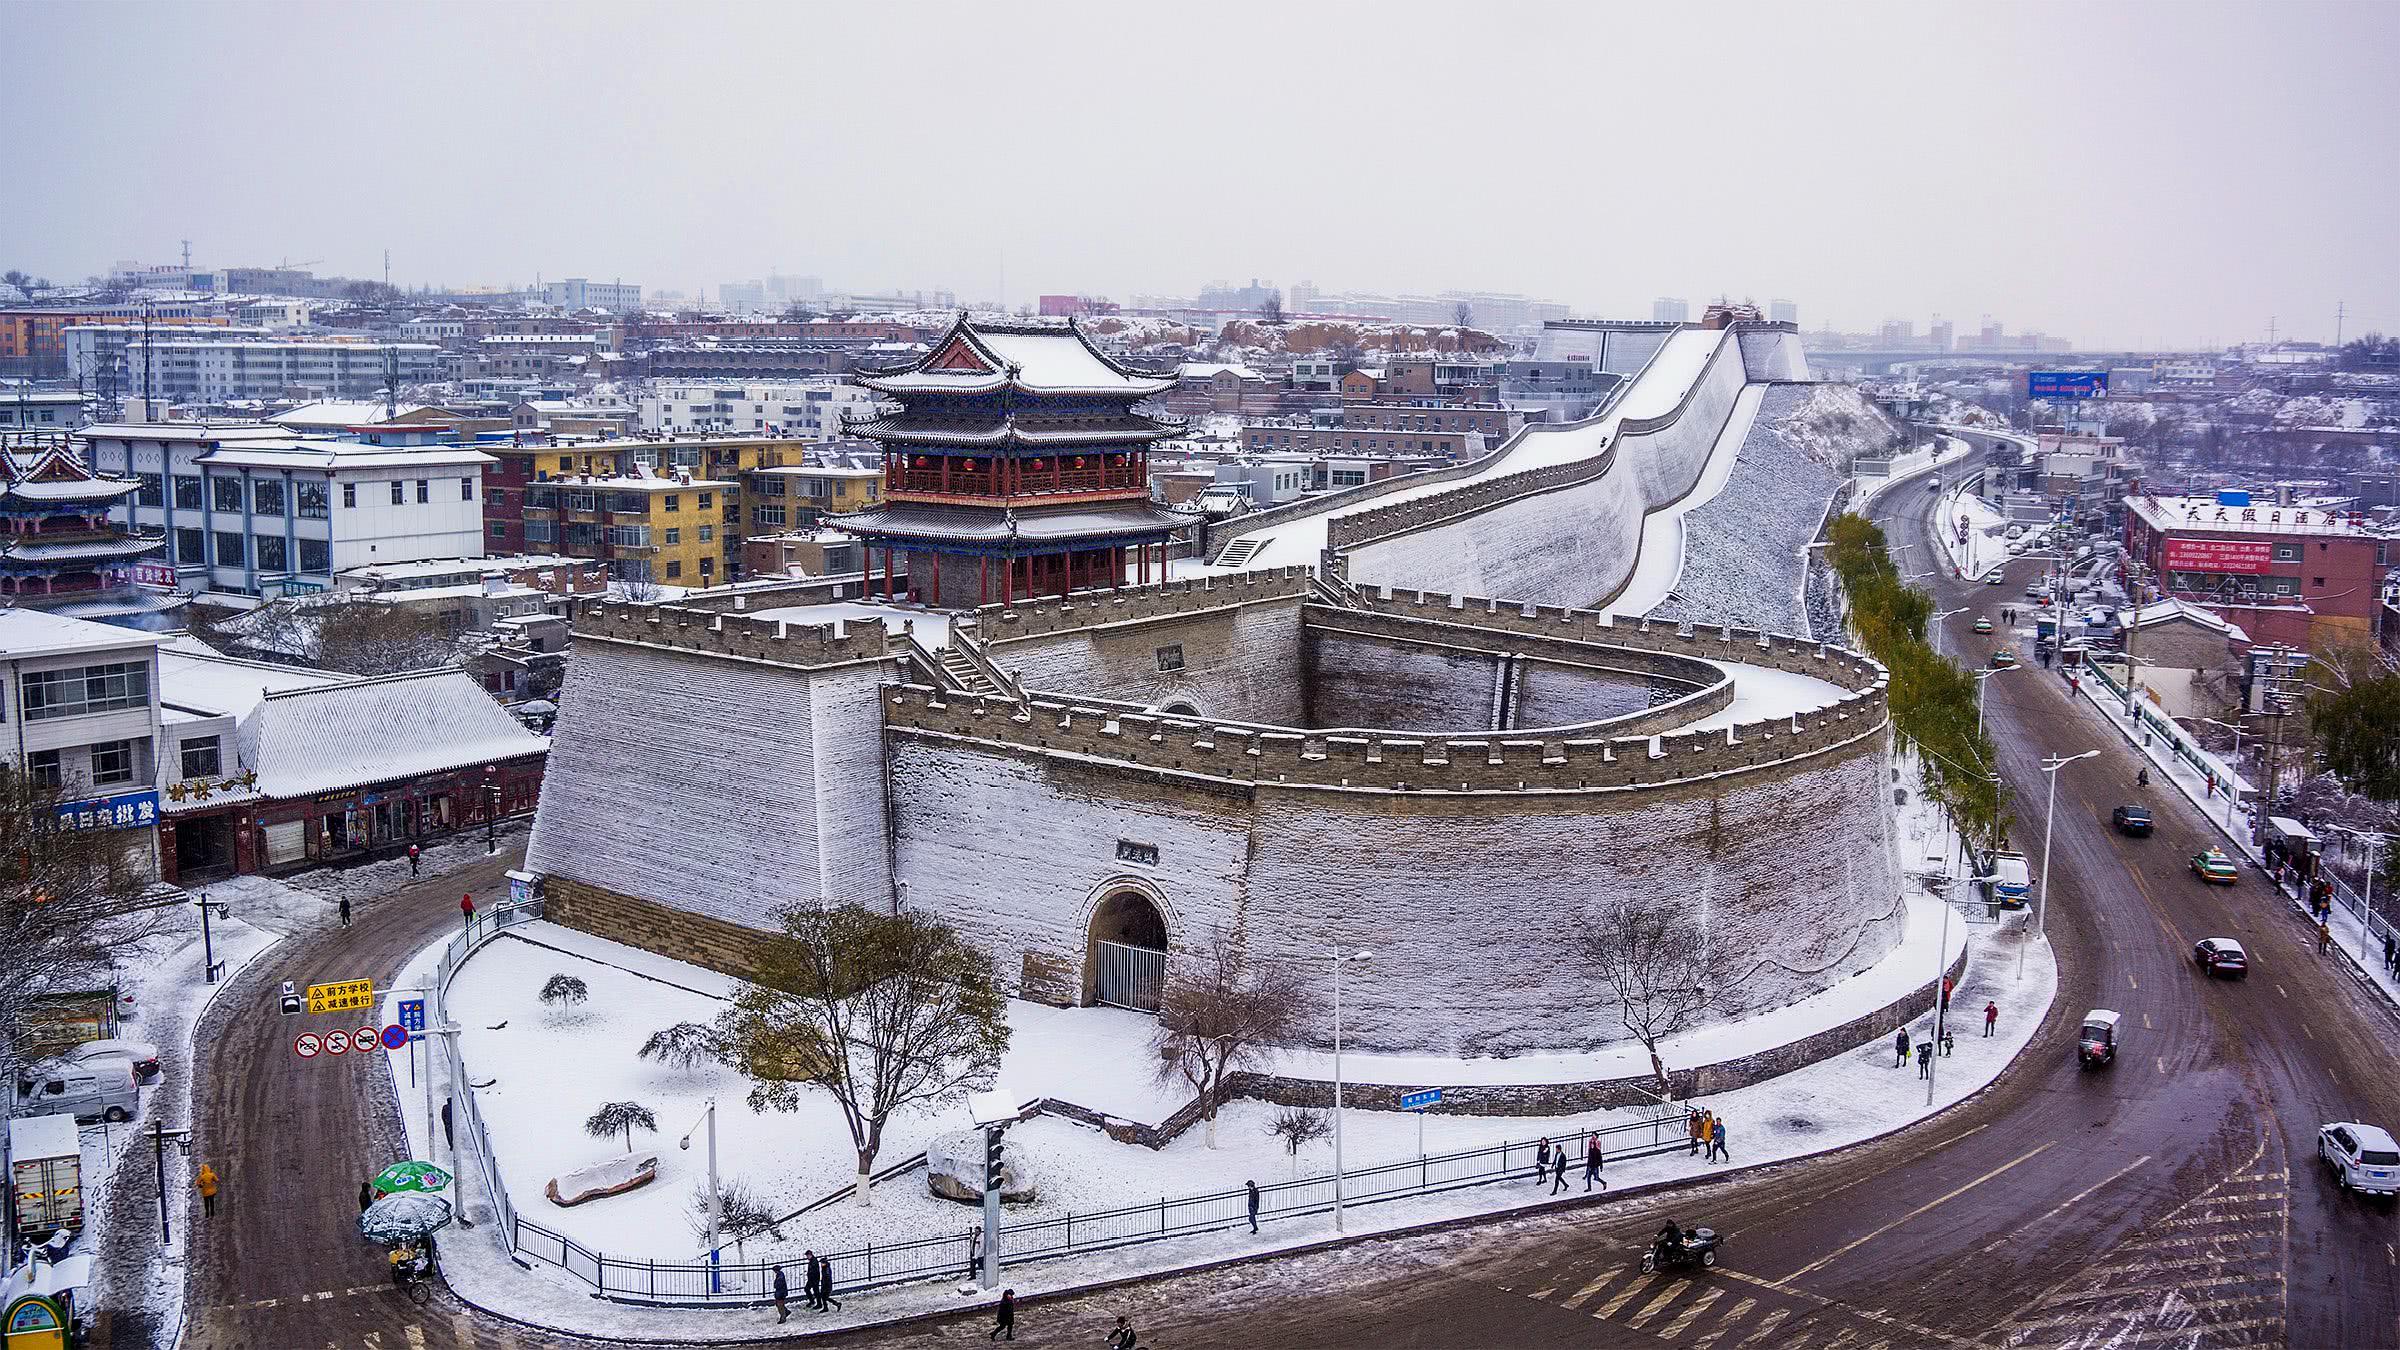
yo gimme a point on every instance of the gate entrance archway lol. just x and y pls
(1125, 964)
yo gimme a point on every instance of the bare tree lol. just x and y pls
(640, 590)
(367, 638)
(1463, 315)
(1659, 966)
(564, 991)
(626, 1116)
(685, 1045)
(73, 898)
(884, 1011)
(1217, 1017)
(1271, 308)
(740, 1213)
(1296, 1126)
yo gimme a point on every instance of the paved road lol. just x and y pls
(2169, 1201)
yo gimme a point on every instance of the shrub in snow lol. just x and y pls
(626, 1172)
(685, 1045)
(884, 1011)
(624, 1117)
(954, 1170)
(565, 991)
(1297, 1126)
(741, 1215)
(1217, 1016)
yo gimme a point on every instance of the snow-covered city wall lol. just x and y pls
(1240, 661)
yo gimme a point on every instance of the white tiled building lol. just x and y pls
(275, 514)
(804, 409)
(80, 708)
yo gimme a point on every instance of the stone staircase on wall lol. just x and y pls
(1240, 551)
(965, 675)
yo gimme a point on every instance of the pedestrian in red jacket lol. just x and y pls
(466, 909)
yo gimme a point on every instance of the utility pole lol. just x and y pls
(2341, 310)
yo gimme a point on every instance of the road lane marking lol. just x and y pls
(1654, 1307)
(1725, 1324)
(2132, 981)
(2090, 1316)
(2306, 1032)
(415, 1336)
(1574, 1302)
(2279, 990)
(2161, 1060)
(2063, 1205)
(1699, 1305)
(1857, 1242)
(1767, 1327)
(2207, 1330)
(1609, 1309)
(1923, 1335)
(2146, 1293)
(2146, 1023)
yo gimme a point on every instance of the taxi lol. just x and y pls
(1983, 625)
(2215, 868)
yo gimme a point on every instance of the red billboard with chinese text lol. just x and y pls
(2242, 557)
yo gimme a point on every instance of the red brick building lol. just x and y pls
(2297, 575)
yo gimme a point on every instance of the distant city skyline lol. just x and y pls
(2159, 181)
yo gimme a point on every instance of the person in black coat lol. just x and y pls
(825, 1298)
(1006, 1320)
(1252, 1188)
(808, 1279)
(366, 1195)
(1541, 1161)
(1592, 1162)
(783, 1295)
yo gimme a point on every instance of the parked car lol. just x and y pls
(2131, 820)
(101, 1090)
(2098, 1043)
(2363, 1157)
(2215, 868)
(2221, 956)
(1983, 625)
(143, 1055)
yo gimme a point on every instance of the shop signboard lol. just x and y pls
(2239, 557)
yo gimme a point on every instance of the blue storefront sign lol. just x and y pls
(125, 811)
(2066, 383)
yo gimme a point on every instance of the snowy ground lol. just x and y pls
(1761, 692)
(368, 882)
(1851, 1097)
(171, 991)
(1986, 548)
(1744, 552)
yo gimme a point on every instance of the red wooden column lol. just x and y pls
(983, 581)
(933, 594)
(1008, 582)
(890, 565)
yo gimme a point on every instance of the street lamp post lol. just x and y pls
(2374, 840)
(2233, 789)
(491, 809)
(1935, 623)
(2041, 903)
(1980, 677)
(1339, 960)
(709, 1118)
(208, 946)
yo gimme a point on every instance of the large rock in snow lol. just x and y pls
(625, 1172)
(954, 1170)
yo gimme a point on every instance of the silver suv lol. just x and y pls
(2363, 1157)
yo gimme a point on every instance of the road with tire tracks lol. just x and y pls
(2170, 1200)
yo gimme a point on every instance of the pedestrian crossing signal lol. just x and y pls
(991, 1160)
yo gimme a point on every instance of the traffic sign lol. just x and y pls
(337, 1043)
(341, 996)
(412, 1013)
(307, 1044)
(395, 1037)
(363, 1039)
(1418, 1101)
(291, 1000)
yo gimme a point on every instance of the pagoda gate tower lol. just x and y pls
(1016, 466)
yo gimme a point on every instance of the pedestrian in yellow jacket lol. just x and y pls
(206, 1180)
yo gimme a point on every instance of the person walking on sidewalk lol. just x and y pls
(1593, 1161)
(466, 909)
(1947, 1044)
(808, 1279)
(1006, 1321)
(825, 1298)
(412, 860)
(1696, 1123)
(783, 1296)
(1900, 1047)
(366, 1195)
(2391, 953)
(1541, 1161)
(1716, 1141)
(1558, 1170)
(345, 911)
(1991, 1015)
(1925, 1058)
(1252, 1188)
(206, 1181)
(2324, 936)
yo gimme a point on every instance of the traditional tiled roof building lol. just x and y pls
(58, 548)
(1017, 465)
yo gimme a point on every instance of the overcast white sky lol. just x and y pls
(2141, 174)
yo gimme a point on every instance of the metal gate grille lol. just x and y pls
(1129, 977)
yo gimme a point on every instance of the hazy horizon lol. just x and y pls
(2131, 174)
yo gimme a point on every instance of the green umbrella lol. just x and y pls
(411, 1176)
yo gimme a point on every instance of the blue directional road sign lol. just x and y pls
(1418, 1101)
(412, 1013)
(2066, 383)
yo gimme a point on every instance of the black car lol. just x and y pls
(2132, 820)
(2221, 956)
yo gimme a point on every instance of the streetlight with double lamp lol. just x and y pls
(1339, 960)
(1934, 624)
(2374, 840)
(2041, 903)
(491, 808)
(2233, 784)
(708, 1118)
(1980, 677)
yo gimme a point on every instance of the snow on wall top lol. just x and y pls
(1127, 604)
(735, 634)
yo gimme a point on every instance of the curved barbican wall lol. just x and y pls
(1462, 859)
(1569, 533)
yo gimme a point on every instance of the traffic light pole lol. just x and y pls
(991, 1206)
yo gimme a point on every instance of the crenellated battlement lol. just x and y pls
(996, 624)
(774, 641)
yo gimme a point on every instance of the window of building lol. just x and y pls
(672, 503)
(266, 496)
(2287, 585)
(424, 490)
(674, 567)
(271, 553)
(631, 536)
(499, 531)
(707, 533)
(316, 555)
(311, 499)
(706, 500)
(191, 546)
(2287, 553)
(230, 551)
(86, 689)
(45, 768)
(466, 489)
(1170, 658)
(399, 493)
(566, 462)
(349, 495)
(583, 501)
(674, 536)
(766, 515)
(112, 762)
(152, 492)
(225, 494)
(540, 531)
(2317, 583)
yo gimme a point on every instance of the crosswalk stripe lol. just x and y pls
(1725, 1324)
(1609, 1309)
(2146, 1293)
(1654, 1307)
(1574, 1302)
(2213, 1220)
(2203, 1328)
(2091, 1317)
(1684, 1319)
(1767, 1327)
(414, 1335)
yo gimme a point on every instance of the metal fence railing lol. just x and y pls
(957, 1254)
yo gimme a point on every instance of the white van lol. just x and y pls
(101, 1090)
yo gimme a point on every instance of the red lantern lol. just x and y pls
(921, 461)
(970, 466)
(1079, 461)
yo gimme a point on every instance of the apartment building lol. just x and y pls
(805, 409)
(80, 702)
(647, 527)
(213, 369)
